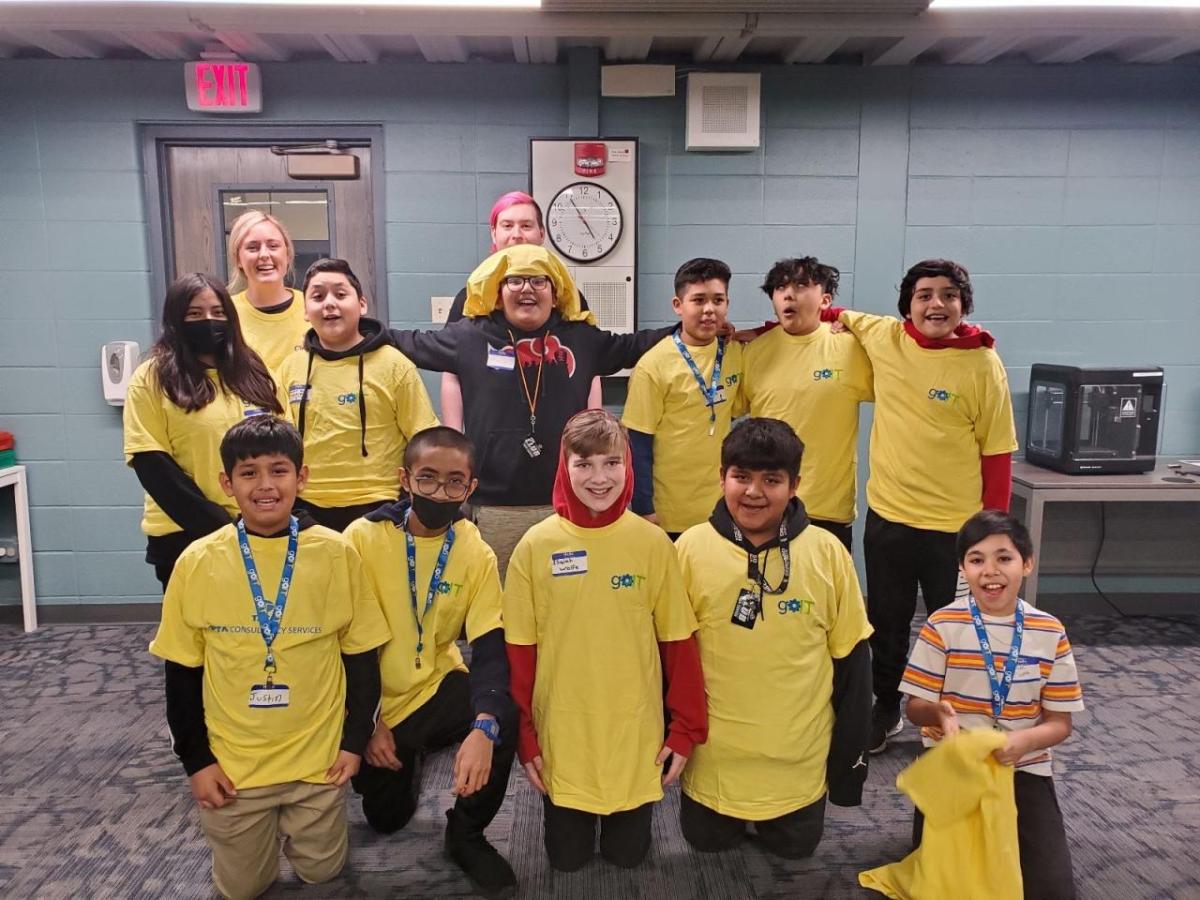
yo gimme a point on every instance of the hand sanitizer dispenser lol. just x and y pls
(117, 362)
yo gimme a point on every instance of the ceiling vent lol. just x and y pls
(723, 111)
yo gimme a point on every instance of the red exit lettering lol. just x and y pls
(222, 84)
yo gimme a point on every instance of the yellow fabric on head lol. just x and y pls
(483, 285)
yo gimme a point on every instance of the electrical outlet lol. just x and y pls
(440, 309)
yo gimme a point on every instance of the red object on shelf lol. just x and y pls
(6, 440)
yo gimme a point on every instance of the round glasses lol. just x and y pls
(518, 282)
(454, 488)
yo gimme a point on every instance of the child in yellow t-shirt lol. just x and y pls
(804, 374)
(355, 398)
(941, 449)
(682, 397)
(783, 643)
(594, 614)
(436, 578)
(271, 694)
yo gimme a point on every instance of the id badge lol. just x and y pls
(745, 611)
(718, 396)
(532, 447)
(268, 696)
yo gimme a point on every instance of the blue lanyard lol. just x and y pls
(269, 616)
(1001, 684)
(434, 580)
(709, 393)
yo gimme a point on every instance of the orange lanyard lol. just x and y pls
(531, 399)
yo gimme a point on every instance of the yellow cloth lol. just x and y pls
(665, 401)
(969, 844)
(272, 335)
(598, 694)
(208, 620)
(936, 413)
(483, 285)
(193, 439)
(761, 762)
(814, 382)
(397, 408)
(469, 594)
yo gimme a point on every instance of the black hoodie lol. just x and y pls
(846, 765)
(373, 337)
(480, 352)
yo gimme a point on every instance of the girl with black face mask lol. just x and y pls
(199, 380)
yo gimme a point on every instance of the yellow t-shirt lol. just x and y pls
(936, 413)
(814, 382)
(665, 401)
(272, 335)
(208, 620)
(397, 408)
(469, 593)
(769, 687)
(596, 602)
(192, 439)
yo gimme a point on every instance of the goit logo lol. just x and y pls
(449, 587)
(942, 395)
(347, 399)
(827, 375)
(627, 581)
(731, 379)
(795, 606)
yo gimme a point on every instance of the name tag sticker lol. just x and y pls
(268, 696)
(571, 562)
(500, 360)
(296, 393)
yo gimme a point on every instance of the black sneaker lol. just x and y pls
(489, 872)
(885, 723)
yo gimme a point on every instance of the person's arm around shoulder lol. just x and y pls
(433, 350)
(644, 407)
(616, 351)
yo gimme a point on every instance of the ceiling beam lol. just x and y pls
(1167, 50)
(56, 43)
(347, 47)
(442, 48)
(905, 50)
(157, 44)
(985, 49)
(248, 45)
(721, 48)
(813, 49)
(627, 47)
(543, 50)
(1076, 49)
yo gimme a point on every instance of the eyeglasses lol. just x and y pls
(518, 282)
(454, 488)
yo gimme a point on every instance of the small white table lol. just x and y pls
(14, 477)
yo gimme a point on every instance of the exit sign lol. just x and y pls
(223, 86)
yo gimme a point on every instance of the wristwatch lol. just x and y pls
(490, 727)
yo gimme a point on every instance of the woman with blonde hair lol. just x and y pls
(260, 259)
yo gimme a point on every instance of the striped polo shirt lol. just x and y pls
(947, 664)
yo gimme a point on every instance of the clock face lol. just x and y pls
(584, 222)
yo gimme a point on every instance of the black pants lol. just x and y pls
(570, 836)
(792, 836)
(389, 798)
(338, 517)
(843, 531)
(898, 559)
(1041, 837)
(164, 551)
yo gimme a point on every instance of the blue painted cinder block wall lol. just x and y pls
(1072, 194)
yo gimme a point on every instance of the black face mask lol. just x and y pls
(206, 336)
(435, 514)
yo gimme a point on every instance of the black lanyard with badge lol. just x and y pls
(714, 394)
(531, 444)
(434, 581)
(748, 607)
(269, 695)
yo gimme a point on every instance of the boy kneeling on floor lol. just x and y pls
(270, 719)
(783, 643)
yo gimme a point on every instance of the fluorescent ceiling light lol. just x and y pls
(329, 4)
(1078, 4)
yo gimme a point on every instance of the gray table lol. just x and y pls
(1038, 486)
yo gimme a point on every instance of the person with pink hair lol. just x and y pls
(515, 219)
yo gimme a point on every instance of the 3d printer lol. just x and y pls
(1093, 421)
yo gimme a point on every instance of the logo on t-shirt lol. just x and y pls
(531, 351)
(626, 581)
(942, 395)
(827, 375)
(347, 399)
(795, 606)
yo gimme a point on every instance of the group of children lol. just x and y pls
(750, 629)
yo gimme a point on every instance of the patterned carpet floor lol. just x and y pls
(93, 804)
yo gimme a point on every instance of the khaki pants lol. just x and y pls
(245, 834)
(503, 526)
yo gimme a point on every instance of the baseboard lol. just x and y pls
(86, 613)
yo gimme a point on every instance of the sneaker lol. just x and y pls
(885, 723)
(489, 872)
